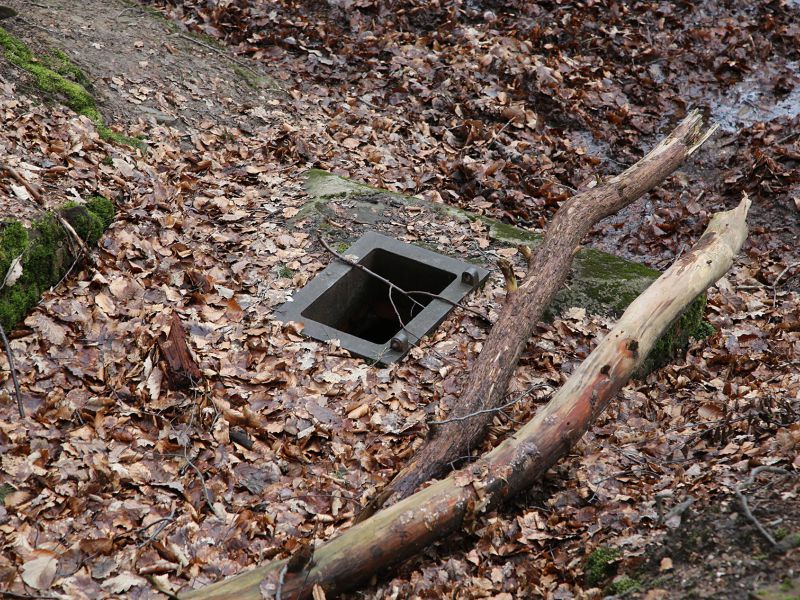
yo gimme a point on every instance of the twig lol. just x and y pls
(396, 312)
(774, 284)
(361, 267)
(782, 273)
(491, 410)
(676, 510)
(494, 135)
(209, 503)
(391, 285)
(124, 10)
(154, 582)
(163, 522)
(281, 579)
(37, 196)
(32, 190)
(217, 50)
(12, 367)
(746, 507)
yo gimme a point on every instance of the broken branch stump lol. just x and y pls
(181, 368)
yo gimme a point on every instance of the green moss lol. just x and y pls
(623, 585)
(14, 50)
(15, 304)
(61, 64)
(5, 490)
(603, 283)
(510, 234)
(49, 80)
(285, 272)
(103, 208)
(787, 589)
(321, 184)
(56, 75)
(13, 240)
(256, 81)
(47, 238)
(790, 541)
(46, 253)
(599, 565)
(38, 271)
(86, 224)
(114, 137)
(690, 325)
(89, 220)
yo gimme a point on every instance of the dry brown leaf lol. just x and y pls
(39, 571)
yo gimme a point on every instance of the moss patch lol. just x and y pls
(103, 208)
(623, 585)
(88, 225)
(46, 253)
(689, 325)
(788, 589)
(603, 283)
(13, 240)
(285, 272)
(256, 81)
(600, 564)
(57, 76)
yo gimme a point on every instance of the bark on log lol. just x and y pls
(399, 531)
(548, 270)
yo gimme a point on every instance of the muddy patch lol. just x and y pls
(716, 552)
(759, 99)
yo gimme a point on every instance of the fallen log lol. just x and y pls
(399, 531)
(488, 379)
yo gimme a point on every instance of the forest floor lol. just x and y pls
(117, 484)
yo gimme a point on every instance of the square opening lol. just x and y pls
(359, 304)
(347, 304)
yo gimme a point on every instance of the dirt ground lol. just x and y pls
(145, 67)
(695, 429)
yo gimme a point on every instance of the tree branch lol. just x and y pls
(435, 512)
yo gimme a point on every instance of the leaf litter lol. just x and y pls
(119, 483)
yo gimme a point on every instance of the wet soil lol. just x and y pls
(717, 552)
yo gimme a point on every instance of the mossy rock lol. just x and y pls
(46, 253)
(601, 283)
(57, 77)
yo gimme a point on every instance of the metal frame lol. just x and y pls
(467, 278)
